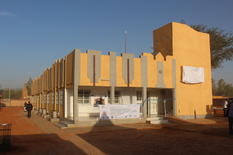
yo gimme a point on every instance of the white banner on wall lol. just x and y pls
(119, 111)
(193, 74)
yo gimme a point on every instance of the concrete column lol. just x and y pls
(35, 104)
(51, 103)
(75, 104)
(65, 103)
(144, 99)
(54, 100)
(38, 106)
(47, 103)
(112, 76)
(68, 102)
(76, 71)
(174, 86)
(55, 104)
(43, 103)
(58, 95)
(42, 100)
(112, 94)
(144, 78)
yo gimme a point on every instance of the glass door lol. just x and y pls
(153, 101)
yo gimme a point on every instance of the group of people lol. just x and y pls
(28, 107)
(228, 112)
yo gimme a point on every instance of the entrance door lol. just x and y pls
(153, 103)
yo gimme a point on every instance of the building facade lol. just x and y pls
(72, 86)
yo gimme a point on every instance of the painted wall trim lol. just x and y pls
(125, 58)
(160, 75)
(112, 68)
(90, 69)
(144, 71)
(174, 86)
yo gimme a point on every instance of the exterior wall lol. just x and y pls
(105, 74)
(69, 69)
(190, 48)
(84, 80)
(197, 45)
(104, 80)
(175, 45)
(127, 95)
(69, 102)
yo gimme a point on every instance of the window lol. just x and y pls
(61, 97)
(83, 96)
(48, 99)
(117, 96)
(139, 95)
(45, 99)
(52, 98)
(57, 99)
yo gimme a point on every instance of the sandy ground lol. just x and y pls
(38, 136)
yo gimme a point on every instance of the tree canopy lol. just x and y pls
(221, 44)
(221, 88)
(14, 93)
(28, 85)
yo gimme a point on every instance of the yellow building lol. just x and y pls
(175, 81)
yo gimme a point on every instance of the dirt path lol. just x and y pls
(38, 136)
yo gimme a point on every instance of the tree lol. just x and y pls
(15, 93)
(221, 44)
(28, 85)
(221, 88)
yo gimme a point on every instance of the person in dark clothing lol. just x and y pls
(230, 116)
(25, 105)
(29, 109)
(101, 100)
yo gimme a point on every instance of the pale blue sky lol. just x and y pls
(34, 33)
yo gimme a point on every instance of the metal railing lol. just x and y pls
(5, 136)
(148, 102)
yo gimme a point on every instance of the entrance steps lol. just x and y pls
(64, 123)
(157, 120)
(94, 122)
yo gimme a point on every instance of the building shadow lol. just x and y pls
(209, 110)
(100, 136)
(40, 144)
(177, 137)
(2, 105)
(213, 126)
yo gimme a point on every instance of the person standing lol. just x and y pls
(29, 108)
(25, 105)
(230, 116)
(225, 108)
